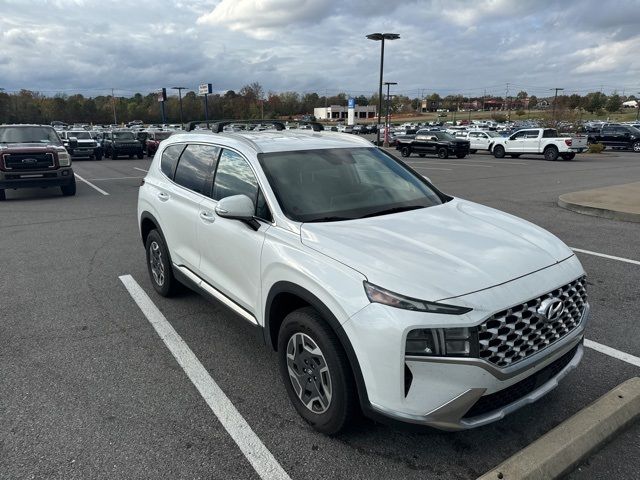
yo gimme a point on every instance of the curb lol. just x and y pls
(560, 450)
(597, 212)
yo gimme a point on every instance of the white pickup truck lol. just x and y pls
(542, 141)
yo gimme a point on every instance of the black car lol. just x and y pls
(617, 136)
(122, 143)
(441, 144)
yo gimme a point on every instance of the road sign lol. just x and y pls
(352, 103)
(162, 94)
(205, 88)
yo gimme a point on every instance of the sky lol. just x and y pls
(446, 46)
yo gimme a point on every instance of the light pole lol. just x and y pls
(381, 37)
(386, 123)
(555, 99)
(638, 105)
(180, 97)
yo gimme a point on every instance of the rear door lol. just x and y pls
(608, 136)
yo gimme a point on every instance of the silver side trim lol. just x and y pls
(216, 294)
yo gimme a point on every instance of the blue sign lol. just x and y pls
(352, 103)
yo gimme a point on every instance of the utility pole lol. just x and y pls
(506, 98)
(638, 105)
(113, 102)
(386, 123)
(555, 99)
(180, 97)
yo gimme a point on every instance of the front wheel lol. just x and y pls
(461, 155)
(114, 155)
(69, 190)
(99, 156)
(551, 154)
(421, 155)
(498, 151)
(443, 153)
(405, 151)
(636, 147)
(159, 265)
(3, 196)
(316, 371)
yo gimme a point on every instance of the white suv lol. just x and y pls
(378, 291)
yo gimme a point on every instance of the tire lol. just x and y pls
(461, 155)
(405, 151)
(69, 190)
(114, 155)
(473, 151)
(551, 153)
(140, 156)
(443, 153)
(328, 367)
(130, 157)
(498, 151)
(568, 156)
(159, 265)
(3, 196)
(421, 155)
(636, 147)
(514, 155)
(99, 156)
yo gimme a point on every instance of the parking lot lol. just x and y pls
(88, 389)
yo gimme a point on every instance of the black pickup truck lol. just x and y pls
(617, 136)
(121, 142)
(438, 143)
(32, 156)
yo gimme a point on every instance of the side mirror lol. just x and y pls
(73, 142)
(236, 207)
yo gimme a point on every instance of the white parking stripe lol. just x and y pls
(90, 184)
(260, 458)
(113, 178)
(433, 168)
(604, 255)
(462, 164)
(141, 169)
(612, 352)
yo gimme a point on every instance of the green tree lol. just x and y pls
(614, 103)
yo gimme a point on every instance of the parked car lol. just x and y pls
(377, 290)
(617, 136)
(33, 156)
(481, 140)
(122, 142)
(86, 145)
(153, 141)
(441, 144)
(541, 141)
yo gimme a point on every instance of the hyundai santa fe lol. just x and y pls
(379, 292)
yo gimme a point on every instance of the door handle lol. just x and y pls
(163, 197)
(207, 216)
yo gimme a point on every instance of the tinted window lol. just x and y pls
(532, 133)
(195, 166)
(607, 130)
(234, 177)
(519, 134)
(170, 159)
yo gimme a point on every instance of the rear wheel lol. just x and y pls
(515, 155)
(551, 153)
(159, 265)
(472, 151)
(421, 155)
(498, 151)
(3, 196)
(636, 147)
(461, 155)
(69, 190)
(568, 156)
(316, 372)
(406, 151)
(443, 153)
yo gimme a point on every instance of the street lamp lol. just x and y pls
(381, 37)
(555, 99)
(386, 123)
(180, 97)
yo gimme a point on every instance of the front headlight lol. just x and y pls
(64, 159)
(380, 295)
(443, 342)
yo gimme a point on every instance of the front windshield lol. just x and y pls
(28, 135)
(123, 135)
(343, 184)
(80, 135)
(444, 136)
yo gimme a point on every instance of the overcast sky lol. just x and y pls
(448, 46)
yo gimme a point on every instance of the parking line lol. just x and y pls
(461, 164)
(113, 178)
(260, 458)
(90, 184)
(141, 169)
(434, 168)
(612, 352)
(604, 255)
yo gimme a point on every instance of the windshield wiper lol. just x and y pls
(393, 210)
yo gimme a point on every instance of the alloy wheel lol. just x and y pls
(157, 264)
(309, 373)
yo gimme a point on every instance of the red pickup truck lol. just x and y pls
(32, 156)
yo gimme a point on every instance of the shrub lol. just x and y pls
(596, 148)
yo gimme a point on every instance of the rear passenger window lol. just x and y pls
(170, 159)
(234, 177)
(195, 167)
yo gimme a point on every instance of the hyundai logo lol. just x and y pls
(30, 161)
(551, 309)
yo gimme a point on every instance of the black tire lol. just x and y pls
(421, 155)
(69, 190)
(140, 156)
(343, 403)
(514, 155)
(3, 196)
(498, 151)
(163, 280)
(99, 156)
(636, 147)
(443, 153)
(405, 151)
(473, 151)
(114, 155)
(568, 156)
(551, 153)
(461, 155)
(130, 157)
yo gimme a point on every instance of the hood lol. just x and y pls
(438, 252)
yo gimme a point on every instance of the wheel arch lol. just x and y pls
(148, 223)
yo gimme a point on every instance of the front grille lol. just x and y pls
(28, 161)
(514, 334)
(495, 401)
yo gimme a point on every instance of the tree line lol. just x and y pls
(250, 101)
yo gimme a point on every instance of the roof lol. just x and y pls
(277, 141)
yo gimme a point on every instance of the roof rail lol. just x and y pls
(217, 126)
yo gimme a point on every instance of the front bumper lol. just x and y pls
(127, 150)
(37, 178)
(457, 393)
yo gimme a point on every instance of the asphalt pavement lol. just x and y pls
(89, 390)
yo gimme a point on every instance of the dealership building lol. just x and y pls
(338, 112)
